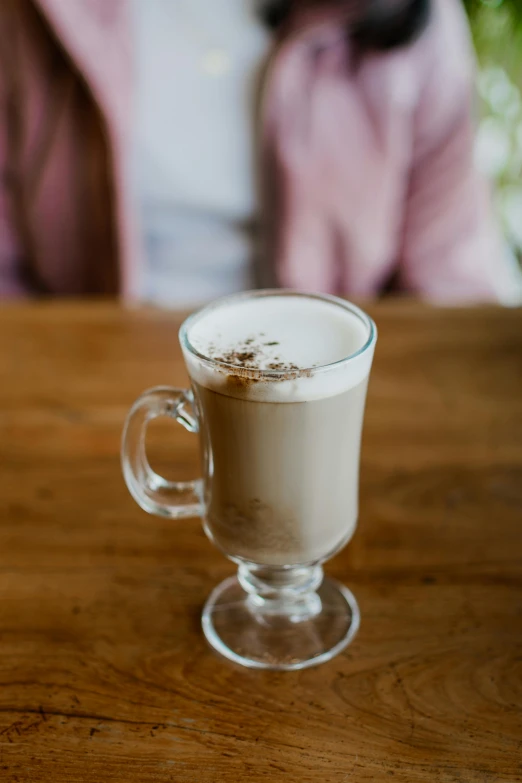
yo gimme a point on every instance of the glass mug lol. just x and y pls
(280, 447)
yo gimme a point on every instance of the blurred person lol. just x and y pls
(146, 145)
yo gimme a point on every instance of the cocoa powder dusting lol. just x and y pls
(282, 366)
(238, 358)
(250, 355)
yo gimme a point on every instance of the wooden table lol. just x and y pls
(104, 672)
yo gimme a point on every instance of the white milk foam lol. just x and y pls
(289, 333)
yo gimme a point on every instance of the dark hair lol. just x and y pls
(380, 24)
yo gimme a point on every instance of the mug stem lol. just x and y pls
(286, 592)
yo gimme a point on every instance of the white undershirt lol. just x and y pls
(193, 154)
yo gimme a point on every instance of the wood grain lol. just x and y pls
(104, 673)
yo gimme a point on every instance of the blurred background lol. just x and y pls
(497, 32)
(174, 151)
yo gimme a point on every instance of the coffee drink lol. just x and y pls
(280, 413)
(284, 482)
(278, 391)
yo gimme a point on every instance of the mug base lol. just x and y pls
(283, 640)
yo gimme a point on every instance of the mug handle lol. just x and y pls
(156, 495)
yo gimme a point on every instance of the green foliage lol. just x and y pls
(497, 32)
(512, 7)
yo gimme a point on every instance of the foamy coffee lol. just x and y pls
(280, 385)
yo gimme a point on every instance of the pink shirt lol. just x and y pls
(367, 170)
